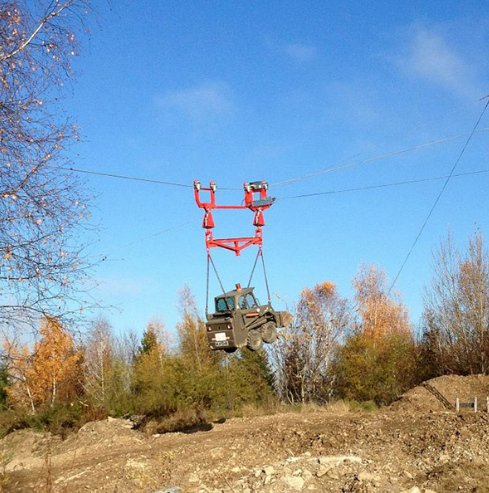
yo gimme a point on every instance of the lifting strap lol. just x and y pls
(260, 254)
(209, 262)
(265, 276)
(254, 267)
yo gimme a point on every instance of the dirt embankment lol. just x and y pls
(418, 444)
(440, 394)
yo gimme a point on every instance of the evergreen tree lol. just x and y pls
(3, 386)
(252, 377)
(155, 377)
(149, 342)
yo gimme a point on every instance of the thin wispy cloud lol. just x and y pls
(301, 52)
(199, 103)
(431, 57)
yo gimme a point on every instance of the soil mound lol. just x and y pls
(439, 394)
(25, 449)
(107, 433)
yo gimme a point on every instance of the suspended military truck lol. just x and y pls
(239, 320)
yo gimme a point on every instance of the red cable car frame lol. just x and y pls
(255, 204)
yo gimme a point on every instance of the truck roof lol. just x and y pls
(236, 293)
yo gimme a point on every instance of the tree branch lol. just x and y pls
(36, 31)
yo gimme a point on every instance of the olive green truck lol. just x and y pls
(240, 321)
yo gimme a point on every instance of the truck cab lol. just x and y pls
(240, 321)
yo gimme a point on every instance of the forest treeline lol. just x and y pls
(363, 349)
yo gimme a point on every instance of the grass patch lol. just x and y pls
(365, 406)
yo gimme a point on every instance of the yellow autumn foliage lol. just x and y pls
(52, 371)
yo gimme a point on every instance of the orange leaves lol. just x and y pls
(55, 359)
(304, 352)
(328, 287)
(323, 309)
(8, 252)
(380, 313)
(50, 372)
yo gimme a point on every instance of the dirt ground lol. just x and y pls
(419, 444)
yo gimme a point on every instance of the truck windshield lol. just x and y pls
(221, 305)
(246, 301)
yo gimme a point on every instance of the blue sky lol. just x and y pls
(242, 91)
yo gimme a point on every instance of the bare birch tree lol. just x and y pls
(42, 268)
(456, 313)
(99, 356)
(303, 354)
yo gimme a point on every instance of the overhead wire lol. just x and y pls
(383, 185)
(158, 233)
(435, 203)
(402, 135)
(123, 177)
(415, 128)
(373, 159)
(281, 183)
(147, 237)
(132, 178)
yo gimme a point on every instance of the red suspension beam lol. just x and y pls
(256, 199)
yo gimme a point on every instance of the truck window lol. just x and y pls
(246, 301)
(243, 302)
(250, 300)
(221, 305)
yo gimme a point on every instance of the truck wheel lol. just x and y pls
(254, 342)
(269, 332)
(230, 350)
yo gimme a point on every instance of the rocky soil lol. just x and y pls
(419, 444)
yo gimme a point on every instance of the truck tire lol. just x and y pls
(255, 341)
(269, 332)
